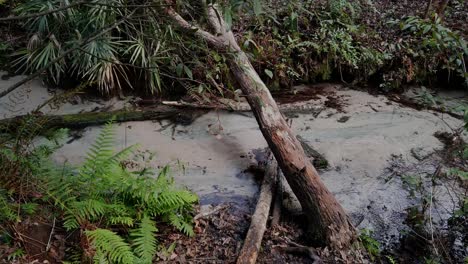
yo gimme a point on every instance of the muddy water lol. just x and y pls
(218, 147)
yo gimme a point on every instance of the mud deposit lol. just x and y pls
(211, 156)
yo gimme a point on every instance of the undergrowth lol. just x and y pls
(288, 42)
(427, 47)
(116, 211)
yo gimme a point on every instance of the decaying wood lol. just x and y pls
(278, 201)
(230, 105)
(253, 240)
(82, 120)
(318, 160)
(327, 220)
(290, 202)
(303, 250)
(418, 106)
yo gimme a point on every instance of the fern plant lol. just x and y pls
(114, 209)
(102, 198)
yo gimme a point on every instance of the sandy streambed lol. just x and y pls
(359, 138)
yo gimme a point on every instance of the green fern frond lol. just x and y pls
(60, 190)
(70, 222)
(111, 246)
(89, 209)
(105, 194)
(175, 199)
(181, 224)
(120, 220)
(7, 209)
(100, 152)
(29, 208)
(144, 240)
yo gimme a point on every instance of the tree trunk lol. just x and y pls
(441, 8)
(428, 9)
(326, 218)
(327, 221)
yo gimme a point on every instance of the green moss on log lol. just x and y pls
(82, 120)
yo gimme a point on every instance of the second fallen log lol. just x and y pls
(253, 240)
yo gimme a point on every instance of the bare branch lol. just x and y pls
(215, 19)
(217, 22)
(205, 35)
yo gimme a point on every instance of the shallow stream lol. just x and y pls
(212, 155)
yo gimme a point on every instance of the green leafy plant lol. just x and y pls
(103, 194)
(114, 208)
(436, 44)
(371, 245)
(102, 43)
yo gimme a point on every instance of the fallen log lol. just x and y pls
(318, 160)
(303, 250)
(278, 201)
(290, 202)
(82, 120)
(253, 240)
(419, 106)
(231, 105)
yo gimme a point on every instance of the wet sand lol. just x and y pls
(358, 140)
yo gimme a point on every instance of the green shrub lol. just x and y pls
(104, 43)
(299, 41)
(433, 46)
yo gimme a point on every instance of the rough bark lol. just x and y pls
(253, 240)
(82, 120)
(327, 221)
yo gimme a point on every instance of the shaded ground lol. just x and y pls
(219, 240)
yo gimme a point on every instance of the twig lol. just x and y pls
(214, 211)
(50, 236)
